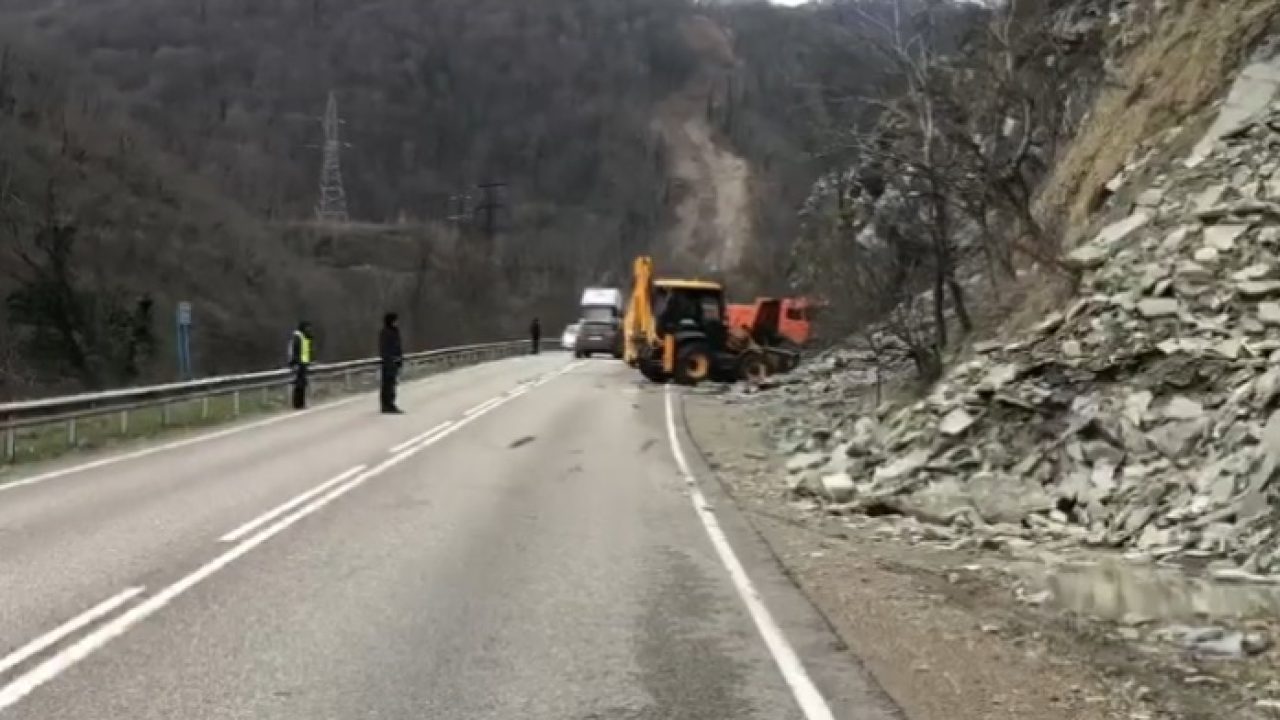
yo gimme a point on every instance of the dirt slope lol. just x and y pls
(711, 185)
(1171, 61)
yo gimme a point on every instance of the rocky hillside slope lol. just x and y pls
(1144, 414)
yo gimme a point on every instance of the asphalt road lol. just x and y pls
(522, 544)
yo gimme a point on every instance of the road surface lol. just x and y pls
(523, 543)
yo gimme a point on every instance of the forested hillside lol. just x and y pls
(172, 145)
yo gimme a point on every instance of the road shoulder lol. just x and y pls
(942, 645)
(847, 687)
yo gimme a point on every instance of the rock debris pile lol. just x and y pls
(1144, 415)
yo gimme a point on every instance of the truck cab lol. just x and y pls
(600, 329)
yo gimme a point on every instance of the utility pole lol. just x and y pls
(457, 208)
(332, 206)
(184, 340)
(489, 207)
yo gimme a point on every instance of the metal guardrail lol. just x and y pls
(71, 410)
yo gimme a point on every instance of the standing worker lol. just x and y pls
(535, 336)
(391, 352)
(300, 362)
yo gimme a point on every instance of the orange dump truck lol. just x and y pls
(775, 322)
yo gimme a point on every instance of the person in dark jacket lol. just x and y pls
(535, 336)
(300, 362)
(391, 352)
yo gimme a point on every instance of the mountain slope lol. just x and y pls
(200, 123)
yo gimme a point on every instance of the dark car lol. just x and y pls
(599, 336)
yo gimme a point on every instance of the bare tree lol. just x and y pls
(1005, 114)
(961, 141)
(911, 147)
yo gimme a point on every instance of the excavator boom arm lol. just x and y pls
(638, 325)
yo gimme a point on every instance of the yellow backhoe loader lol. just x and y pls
(676, 330)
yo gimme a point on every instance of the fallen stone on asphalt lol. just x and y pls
(1223, 237)
(1229, 349)
(1208, 198)
(1257, 271)
(1253, 289)
(1158, 307)
(864, 437)
(1116, 233)
(838, 488)
(1206, 256)
(1269, 313)
(1219, 642)
(1183, 408)
(1088, 257)
(956, 422)
(902, 467)
(1150, 198)
(805, 461)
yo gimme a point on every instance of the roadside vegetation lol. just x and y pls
(153, 152)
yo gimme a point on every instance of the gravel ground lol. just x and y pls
(942, 630)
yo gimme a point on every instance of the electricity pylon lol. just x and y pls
(332, 206)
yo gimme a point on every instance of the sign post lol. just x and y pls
(184, 340)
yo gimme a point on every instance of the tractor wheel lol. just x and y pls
(652, 371)
(753, 367)
(693, 363)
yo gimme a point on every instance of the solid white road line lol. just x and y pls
(420, 437)
(206, 437)
(28, 682)
(270, 515)
(53, 637)
(805, 692)
(105, 633)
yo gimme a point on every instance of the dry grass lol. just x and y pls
(1185, 62)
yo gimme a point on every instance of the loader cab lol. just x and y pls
(688, 305)
(690, 322)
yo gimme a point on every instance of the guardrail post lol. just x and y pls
(11, 444)
(204, 408)
(124, 422)
(235, 404)
(346, 380)
(266, 396)
(164, 414)
(71, 432)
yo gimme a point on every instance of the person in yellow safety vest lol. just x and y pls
(300, 361)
